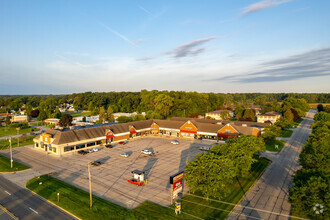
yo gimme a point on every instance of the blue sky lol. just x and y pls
(63, 46)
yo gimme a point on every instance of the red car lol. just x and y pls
(122, 142)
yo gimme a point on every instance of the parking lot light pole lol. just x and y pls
(90, 185)
(17, 136)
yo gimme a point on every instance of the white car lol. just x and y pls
(175, 142)
(206, 148)
(124, 154)
(90, 150)
(95, 149)
(146, 151)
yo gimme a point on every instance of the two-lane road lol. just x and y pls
(26, 205)
(268, 198)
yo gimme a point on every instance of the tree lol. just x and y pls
(28, 109)
(110, 117)
(271, 132)
(34, 113)
(225, 115)
(66, 120)
(163, 104)
(210, 174)
(124, 119)
(322, 116)
(241, 151)
(7, 121)
(282, 123)
(248, 115)
(42, 115)
(102, 116)
(327, 108)
(84, 119)
(288, 115)
(138, 117)
(91, 106)
(320, 108)
(57, 113)
(311, 188)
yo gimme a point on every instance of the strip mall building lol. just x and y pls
(69, 140)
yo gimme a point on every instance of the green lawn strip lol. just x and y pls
(286, 133)
(76, 201)
(23, 141)
(79, 114)
(204, 209)
(6, 131)
(270, 145)
(5, 165)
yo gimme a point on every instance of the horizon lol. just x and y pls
(255, 46)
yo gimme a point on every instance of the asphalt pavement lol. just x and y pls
(268, 198)
(25, 205)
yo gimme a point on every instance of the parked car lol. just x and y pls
(95, 149)
(82, 152)
(96, 163)
(175, 142)
(124, 154)
(122, 142)
(90, 150)
(147, 151)
(206, 148)
(109, 146)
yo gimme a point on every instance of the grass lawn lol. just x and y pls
(286, 133)
(5, 165)
(23, 141)
(6, 131)
(76, 200)
(297, 122)
(270, 145)
(79, 114)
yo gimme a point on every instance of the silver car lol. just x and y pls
(146, 151)
(124, 154)
(175, 142)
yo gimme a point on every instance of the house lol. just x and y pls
(269, 116)
(217, 115)
(54, 121)
(19, 118)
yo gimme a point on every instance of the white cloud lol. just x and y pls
(262, 5)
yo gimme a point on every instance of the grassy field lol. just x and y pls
(270, 146)
(286, 133)
(5, 165)
(79, 114)
(6, 131)
(76, 201)
(23, 141)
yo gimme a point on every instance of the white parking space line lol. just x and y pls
(7, 192)
(33, 210)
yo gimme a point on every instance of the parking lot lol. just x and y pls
(109, 180)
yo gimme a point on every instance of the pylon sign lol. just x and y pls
(176, 182)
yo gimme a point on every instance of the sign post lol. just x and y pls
(176, 182)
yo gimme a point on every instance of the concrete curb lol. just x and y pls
(9, 213)
(51, 203)
(239, 202)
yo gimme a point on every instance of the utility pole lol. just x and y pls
(90, 185)
(11, 154)
(17, 137)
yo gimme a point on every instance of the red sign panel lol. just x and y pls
(191, 132)
(110, 136)
(177, 185)
(133, 131)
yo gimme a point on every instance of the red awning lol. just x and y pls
(132, 131)
(110, 136)
(227, 135)
(191, 132)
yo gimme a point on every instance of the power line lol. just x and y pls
(256, 209)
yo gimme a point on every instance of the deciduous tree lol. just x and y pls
(65, 120)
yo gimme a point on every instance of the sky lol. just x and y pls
(220, 46)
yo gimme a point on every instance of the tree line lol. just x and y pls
(155, 103)
(310, 195)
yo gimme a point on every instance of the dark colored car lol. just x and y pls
(82, 152)
(109, 146)
(96, 163)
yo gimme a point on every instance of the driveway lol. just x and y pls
(268, 198)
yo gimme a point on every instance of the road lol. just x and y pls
(26, 205)
(268, 198)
